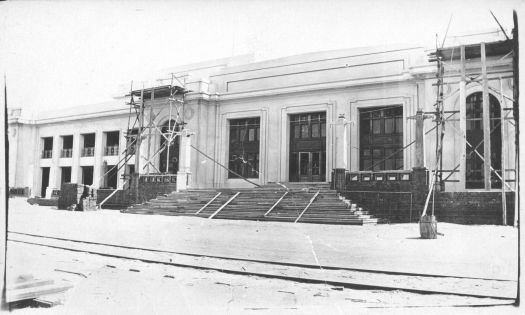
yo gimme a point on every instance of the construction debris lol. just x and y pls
(26, 287)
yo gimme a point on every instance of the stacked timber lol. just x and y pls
(26, 287)
(77, 197)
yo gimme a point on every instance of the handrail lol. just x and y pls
(275, 204)
(307, 206)
(110, 195)
(224, 205)
(212, 199)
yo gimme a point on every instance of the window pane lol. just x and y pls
(389, 164)
(367, 163)
(296, 132)
(315, 163)
(305, 131)
(251, 135)
(376, 126)
(399, 164)
(365, 127)
(399, 125)
(378, 164)
(389, 125)
(243, 135)
(304, 164)
(315, 130)
(323, 129)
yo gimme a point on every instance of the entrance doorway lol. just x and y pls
(87, 175)
(308, 147)
(310, 166)
(45, 181)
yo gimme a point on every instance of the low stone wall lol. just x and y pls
(394, 196)
(484, 207)
(400, 197)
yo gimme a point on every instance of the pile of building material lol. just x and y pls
(77, 197)
(27, 287)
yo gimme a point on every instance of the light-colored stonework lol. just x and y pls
(336, 82)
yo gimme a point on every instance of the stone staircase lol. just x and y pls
(272, 202)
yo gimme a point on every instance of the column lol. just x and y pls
(99, 153)
(122, 156)
(75, 166)
(183, 175)
(54, 179)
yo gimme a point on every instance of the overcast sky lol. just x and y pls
(61, 54)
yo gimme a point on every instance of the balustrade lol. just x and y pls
(66, 153)
(47, 154)
(88, 152)
(111, 150)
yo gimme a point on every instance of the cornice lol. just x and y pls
(405, 77)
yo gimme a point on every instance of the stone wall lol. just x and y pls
(394, 196)
(401, 198)
(484, 207)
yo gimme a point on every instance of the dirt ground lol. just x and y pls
(120, 286)
(103, 285)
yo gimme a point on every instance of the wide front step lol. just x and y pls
(270, 203)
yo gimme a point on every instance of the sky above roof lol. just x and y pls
(61, 54)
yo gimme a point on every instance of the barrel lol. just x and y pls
(428, 227)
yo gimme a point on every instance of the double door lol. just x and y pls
(308, 166)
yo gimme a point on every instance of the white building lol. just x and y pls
(289, 119)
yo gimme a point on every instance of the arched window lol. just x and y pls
(474, 175)
(168, 130)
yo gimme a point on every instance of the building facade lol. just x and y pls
(283, 120)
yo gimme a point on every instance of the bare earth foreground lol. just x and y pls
(103, 284)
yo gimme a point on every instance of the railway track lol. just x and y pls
(350, 278)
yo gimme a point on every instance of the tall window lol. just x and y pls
(48, 148)
(381, 138)
(88, 148)
(112, 142)
(67, 147)
(168, 130)
(474, 175)
(244, 147)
